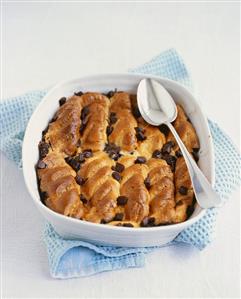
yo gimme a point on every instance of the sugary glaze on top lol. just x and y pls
(101, 162)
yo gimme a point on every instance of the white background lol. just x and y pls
(44, 43)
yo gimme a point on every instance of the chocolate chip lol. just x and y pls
(43, 149)
(147, 182)
(107, 147)
(85, 111)
(148, 222)
(41, 164)
(122, 200)
(164, 129)
(102, 221)
(171, 160)
(190, 210)
(157, 154)
(111, 147)
(195, 156)
(73, 162)
(68, 159)
(196, 149)
(83, 199)
(62, 101)
(87, 153)
(118, 217)
(136, 112)
(80, 158)
(111, 93)
(140, 136)
(138, 129)
(178, 153)
(113, 151)
(128, 225)
(179, 203)
(109, 130)
(79, 93)
(114, 156)
(113, 118)
(80, 180)
(183, 190)
(140, 160)
(82, 127)
(166, 149)
(116, 176)
(118, 167)
(151, 220)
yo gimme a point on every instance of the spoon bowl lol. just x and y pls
(155, 102)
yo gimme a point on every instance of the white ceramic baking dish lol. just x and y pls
(99, 233)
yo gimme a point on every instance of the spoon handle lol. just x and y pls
(205, 195)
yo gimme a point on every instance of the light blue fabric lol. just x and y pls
(73, 258)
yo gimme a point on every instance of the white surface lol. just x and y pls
(106, 234)
(40, 46)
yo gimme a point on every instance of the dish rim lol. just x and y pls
(70, 220)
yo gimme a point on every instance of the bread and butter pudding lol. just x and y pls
(99, 161)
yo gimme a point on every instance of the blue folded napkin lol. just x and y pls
(76, 258)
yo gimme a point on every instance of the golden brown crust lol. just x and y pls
(123, 134)
(58, 181)
(100, 188)
(154, 140)
(182, 179)
(101, 162)
(185, 130)
(161, 192)
(133, 187)
(63, 133)
(94, 134)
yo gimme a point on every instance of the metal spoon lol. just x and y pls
(158, 107)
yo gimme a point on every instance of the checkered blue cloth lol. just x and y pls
(75, 258)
